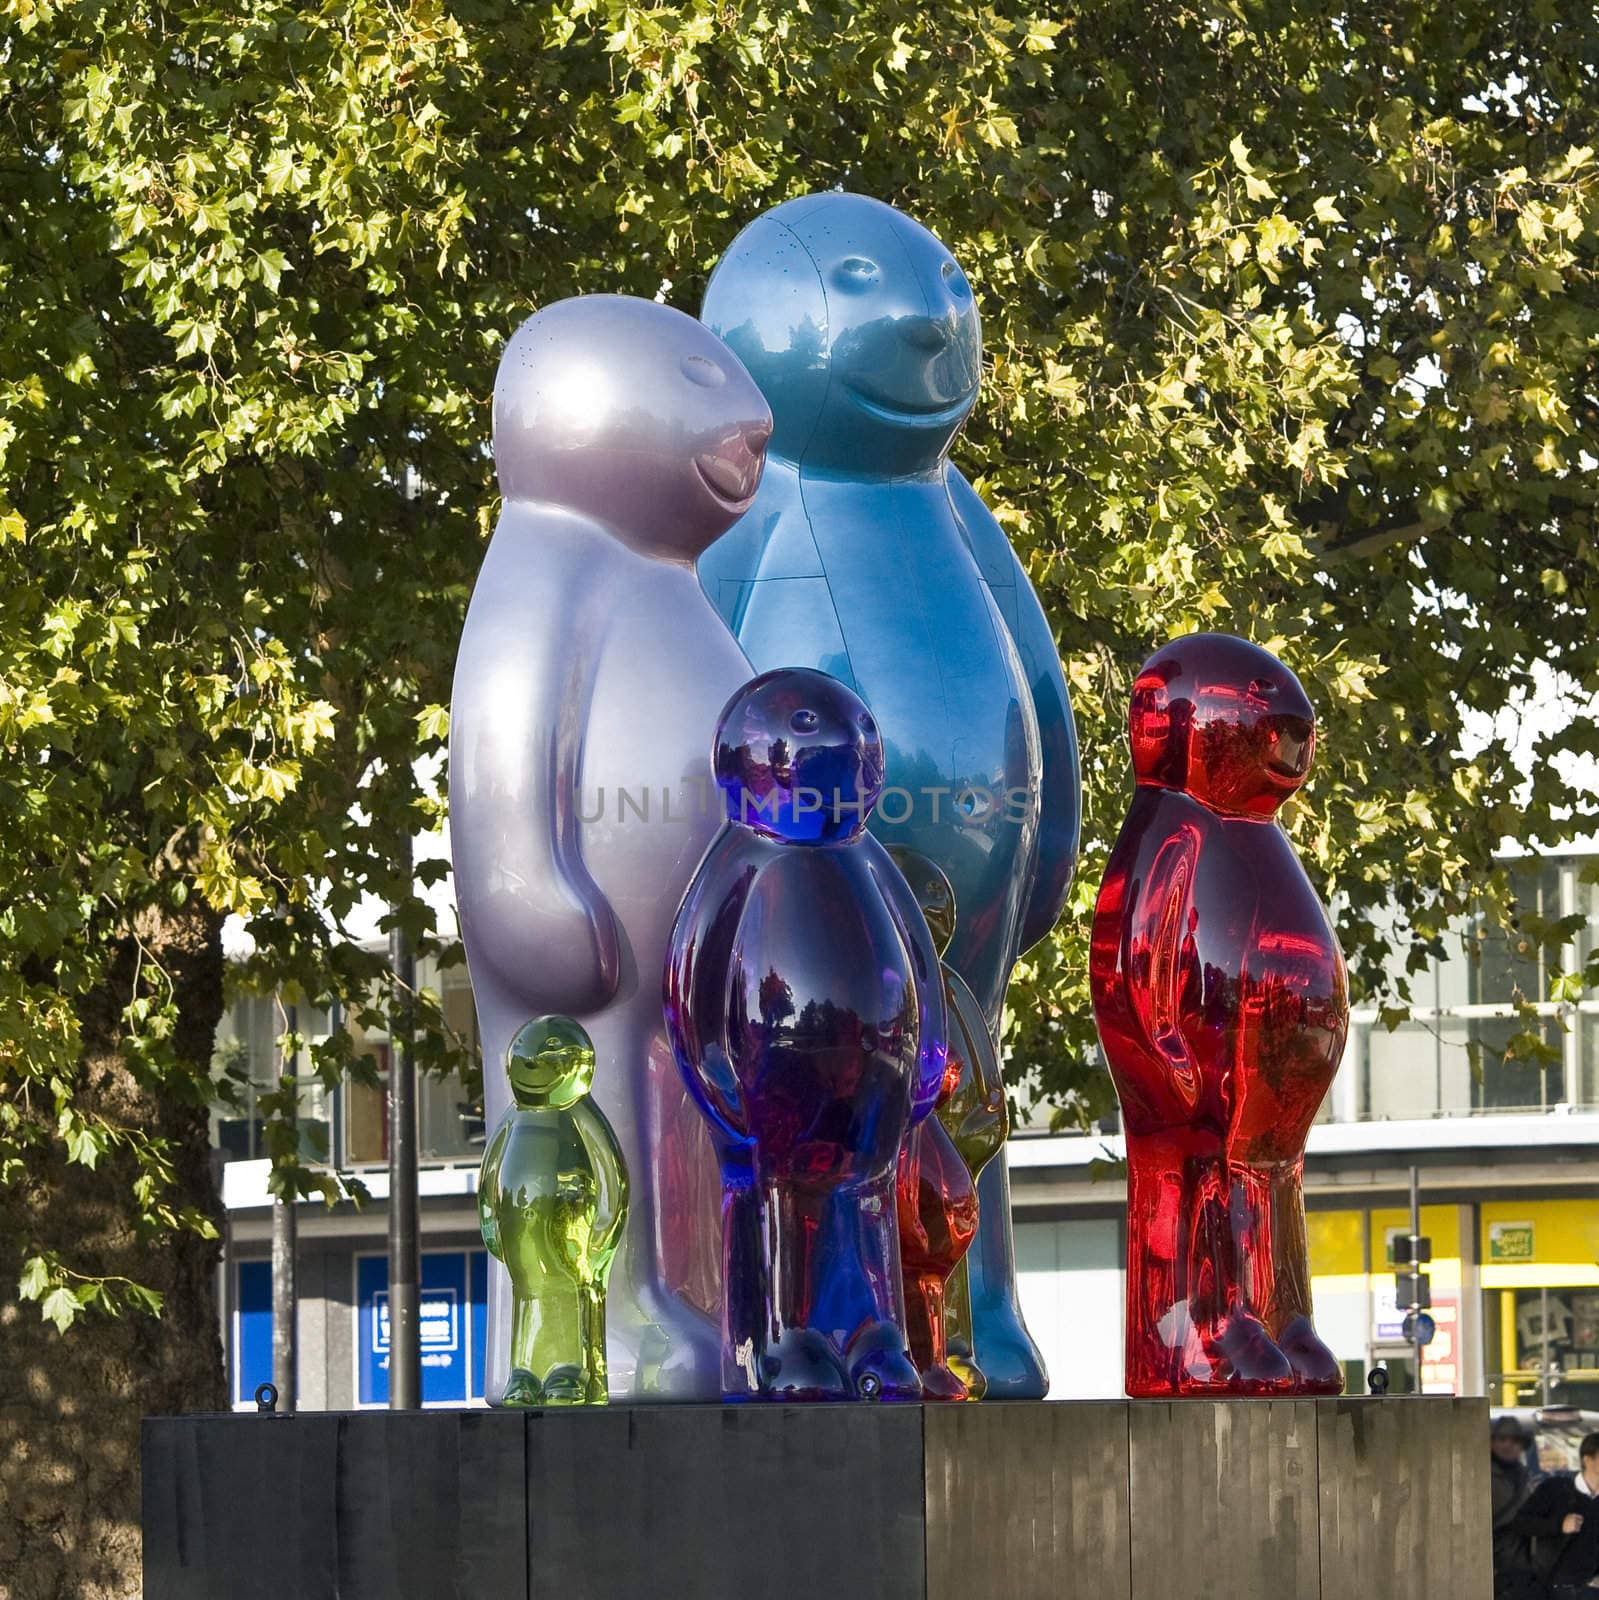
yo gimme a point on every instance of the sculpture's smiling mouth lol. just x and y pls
(731, 484)
(913, 416)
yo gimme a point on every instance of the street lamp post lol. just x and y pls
(285, 1291)
(405, 1267)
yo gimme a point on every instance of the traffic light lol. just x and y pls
(1414, 1290)
(1411, 1249)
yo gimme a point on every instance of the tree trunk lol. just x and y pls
(70, 1404)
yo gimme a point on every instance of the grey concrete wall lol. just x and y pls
(1106, 1500)
(1350, 1499)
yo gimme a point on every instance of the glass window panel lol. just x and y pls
(316, 1123)
(366, 1115)
(1517, 1084)
(1456, 1095)
(1403, 1071)
(1513, 966)
(1586, 900)
(450, 1125)
(1587, 1025)
(1556, 1362)
(1454, 974)
(246, 1049)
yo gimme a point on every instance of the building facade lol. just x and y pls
(1490, 1090)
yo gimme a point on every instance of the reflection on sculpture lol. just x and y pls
(1220, 996)
(552, 1196)
(804, 1008)
(939, 1165)
(626, 437)
(867, 555)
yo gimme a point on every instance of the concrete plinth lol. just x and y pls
(1107, 1500)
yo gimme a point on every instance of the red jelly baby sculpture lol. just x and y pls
(936, 1191)
(937, 1204)
(1221, 1000)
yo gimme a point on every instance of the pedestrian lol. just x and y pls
(1560, 1519)
(1510, 1482)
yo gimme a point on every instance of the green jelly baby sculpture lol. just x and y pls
(552, 1198)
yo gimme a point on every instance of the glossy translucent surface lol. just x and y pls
(977, 1121)
(1220, 996)
(938, 1210)
(627, 437)
(804, 1008)
(868, 555)
(552, 1198)
(937, 1201)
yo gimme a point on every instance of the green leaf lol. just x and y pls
(61, 1307)
(35, 1278)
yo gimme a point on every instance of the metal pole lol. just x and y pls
(285, 1292)
(1415, 1229)
(405, 1265)
(1545, 1388)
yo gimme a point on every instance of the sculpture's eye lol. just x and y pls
(1262, 689)
(955, 279)
(855, 273)
(704, 372)
(866, 724)
(804, 722)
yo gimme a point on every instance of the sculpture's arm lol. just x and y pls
(488, 1187)
(1155, 938)
(987, 1117)
(523, 682)
(928, 977)
(696, 988)
(1060, 799)
(610, 1176)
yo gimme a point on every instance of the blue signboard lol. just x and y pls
(452, 1321)
(252, 1340)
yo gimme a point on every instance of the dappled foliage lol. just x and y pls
(1290, 318)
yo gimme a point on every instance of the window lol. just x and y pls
(454, 1324)
(1543, 1346)
(449, 1123)
(252, 1330)
(1511, 968)
(248, 1048)
(1525, 1081)
(1471, 998)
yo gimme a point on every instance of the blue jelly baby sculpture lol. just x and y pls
(867, 554)
(552, 1197)
(805, 1009)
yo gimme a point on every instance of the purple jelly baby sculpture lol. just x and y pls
(804, 1006)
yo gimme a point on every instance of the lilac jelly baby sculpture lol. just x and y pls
(626, 439)
(804, 1007)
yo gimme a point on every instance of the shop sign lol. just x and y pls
(451, 1327)
(1440, 1359)
(1510, 1241)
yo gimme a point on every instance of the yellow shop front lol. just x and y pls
(1540, 1289)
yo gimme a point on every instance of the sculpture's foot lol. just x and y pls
(1237, 1357)
(803, 1365)
(1316, 1369)
(566, 1386)
(679, 1356)
(941, 1383)
(1005, 1351)
(879, 1368)
(971, 1375)
(522, 1389)
(1140, 1386)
